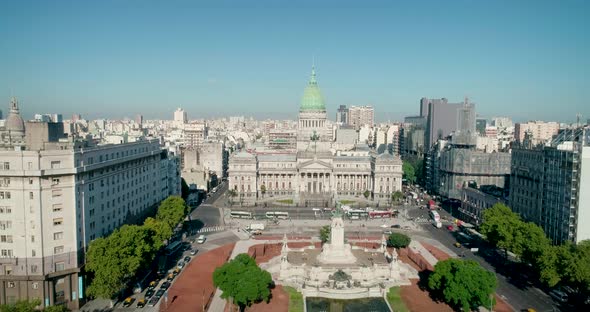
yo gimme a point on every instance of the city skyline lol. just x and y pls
(121, 59)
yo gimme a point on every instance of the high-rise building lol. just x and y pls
(342, 115)
(180, 117)
(139, 120)
(57, 195)
(502, 122)
(480, 126)
(550, 184)
(540, 131)
(359, 116)
(195, 134)
(441, 119)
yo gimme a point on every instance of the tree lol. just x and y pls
(398, 240)
(462, 284)
(325, 233)
(172, 210)
(243, 281)
(534, 244)
(397, 196)
(21, 306)
(573, 265)
(262, 189)
(56, 308)
(502, 228)
(367, 193)
(184, 189)
(115, 259)
(409, 172)
(161, 230)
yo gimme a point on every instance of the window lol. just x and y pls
(55, 181)
(34, 285)
(10, 285)
(58, 221)
(55, 193)
(32, 238)
(5, 238)
(58, 235)
(5, 225)
(57, 207)
(58, 250)
(60, 266)
(31, 195)
(6, 165)
(6, 253)
(33, 253)
(55, 164)
(30, 180)
(5, 195)
(5, 209)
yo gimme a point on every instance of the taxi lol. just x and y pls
(128, 301)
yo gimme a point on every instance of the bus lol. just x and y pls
(463, 238)
(380, 214)
(173, 248)
(434, 215)
(277, 214)
(240, 214)
(356, 214)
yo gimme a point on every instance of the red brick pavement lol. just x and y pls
(194, 287)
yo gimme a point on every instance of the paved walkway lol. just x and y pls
(218, 304)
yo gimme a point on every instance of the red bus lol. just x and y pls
(379, 214)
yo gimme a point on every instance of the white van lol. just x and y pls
(201, 239)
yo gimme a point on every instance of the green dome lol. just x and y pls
(312, 97)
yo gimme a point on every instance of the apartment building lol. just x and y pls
(58, 194)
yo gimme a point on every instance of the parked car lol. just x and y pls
(396, 226)
(164, 286)
(387, 232)
(128, 301)
(170, 277)
(180, 264)
(149, 293)
(201, 239)
(153, 284)
(193, 252)
(187, 259)
(458, 245)
(141, 303)
(160, 293)
(558, 295)
(153, 301)
(176, 271)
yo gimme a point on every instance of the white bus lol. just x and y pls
(241, 214)
(434, 215)
(277, 214)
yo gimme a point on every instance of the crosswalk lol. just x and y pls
(208, 229)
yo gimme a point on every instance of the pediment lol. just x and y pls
(315, 164)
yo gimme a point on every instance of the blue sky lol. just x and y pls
(525, 59)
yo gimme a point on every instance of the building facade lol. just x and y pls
(540, 131)
(317, 173)
(359, 116)
(57, 195)
(549, 185)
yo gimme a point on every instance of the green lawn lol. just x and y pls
(295, 299)
(285, 201)
(395, 300)
(347, 202)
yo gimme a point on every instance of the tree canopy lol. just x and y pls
(409, 173)
(115, 259)
(325, 233)
(243, 281)
(172, 210)
(30, 306)
(462, 284)
(398, 240)
(397, 196)
(161, 229)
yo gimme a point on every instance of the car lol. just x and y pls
(187, 247)
(176, 271)
(187, 259)
(153, 284)
(164, 286)
(141, 303)
(193, 252)
(528, 310)
(256, 232)
(396, 226)
(201, 239)
(450, 228)
(153, 301)
(128, 302)
(170, 277)
(160, 293)
(458, 245)
(149, 293)
(180, 264)
(558, 295)
(387, 232)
